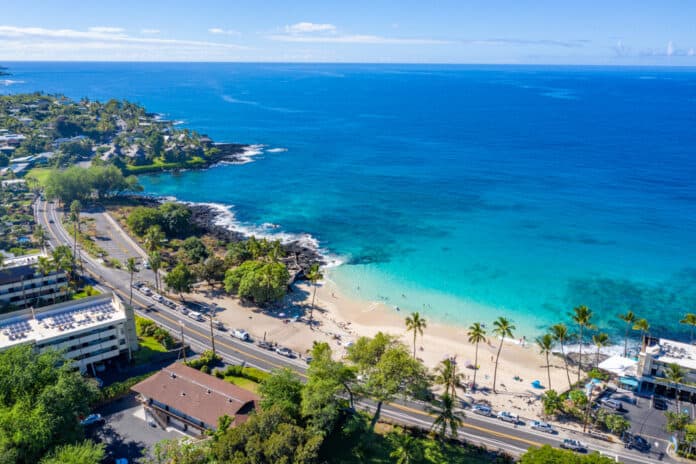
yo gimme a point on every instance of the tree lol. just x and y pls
(41, 399)
(86, 452)
(560, 334)
(40, 236)
(283, 389)
(502, 328)
(75, 208)
(182, 451)
(45, 267)
(582, 316)
(600, 341)
(446, 375)
(545, 344)
(195, 250)
(212, 270)
(63, 259)
(550, 455)
(141, 218)
(477, 334)
(155, 261)
(551, 402)
(415, 323)
(314, 276)
(690, 320)
(616, 424)
(259, 281)
(132, 268)
(447, 421)
(675, 374)
(179, 279)
(406, 449)
(153, 238)
(677, 422)
(629, 319)
(643, 327)
(690, 436)
(388, 370)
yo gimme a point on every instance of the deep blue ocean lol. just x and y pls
(465, 192)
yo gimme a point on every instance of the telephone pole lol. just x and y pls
(183, 345)
(211, 314)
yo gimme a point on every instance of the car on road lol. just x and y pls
(196, 316)
(659, 403)
(287, 352)
(636, 442)
(241, 334)
(265, 345)
(218, 324)
(51, 221)
(543, 427)
(145, 290)
(169, 303)
(183, 309)
(506, 416)
(612, 404)
(157, 297)
(482, 409)
(573, 445)
(92, 419)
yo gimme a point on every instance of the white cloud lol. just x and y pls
(670, 48)
(220, 31)
(355, 39)
(106, 30)
(307, 27)
(150, 31)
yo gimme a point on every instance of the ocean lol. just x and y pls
(463, 192)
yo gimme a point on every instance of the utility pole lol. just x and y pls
(183, 345)
(211, 314)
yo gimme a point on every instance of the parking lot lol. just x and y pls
(125, 431)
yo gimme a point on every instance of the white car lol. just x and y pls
(196, 316)
(482, 410)
(183, 309)
(145, 290)
(287, 352)
(241, 334)
(157, 298)
(542, 427)
(506, 416)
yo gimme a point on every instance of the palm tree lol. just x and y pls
(600, 340)
(40, 236)
(415, 323)
(502, 328)
(643, 326)
(545, 344)
(45, 267)
(155, 260)
(629, 318)
(560, 334)
(75, 208)
(314, 275)
(582, 316)
(447, 418)
(132, 267)
(477, 334)
(446, 375)
(690, 320)
(675, 374)
(153, 238)
(406, 449)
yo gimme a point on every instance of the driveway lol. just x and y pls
(126, 432)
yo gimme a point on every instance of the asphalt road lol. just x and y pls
(486, 431)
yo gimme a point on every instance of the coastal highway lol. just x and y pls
(486, 431)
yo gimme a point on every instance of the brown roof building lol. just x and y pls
(188, 398)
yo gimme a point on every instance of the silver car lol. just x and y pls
(542, 427)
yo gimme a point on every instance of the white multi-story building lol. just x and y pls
(655, 357)
(21, 283)
(90, 331)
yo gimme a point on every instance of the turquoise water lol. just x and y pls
(463, 192)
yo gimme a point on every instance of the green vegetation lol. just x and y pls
(173, 219)
(119, 389)
(86, 452)
(548, 455)
(39, 176)
(258, 281)
(98, 182)
(153, 340)
(41, 399)
(205, 361)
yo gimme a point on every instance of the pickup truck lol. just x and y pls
(196, 316)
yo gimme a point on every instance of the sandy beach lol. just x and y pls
(340, 320)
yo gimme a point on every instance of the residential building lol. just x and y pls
(21, 283)
(191, 400)
(91, 332)
(655, 357)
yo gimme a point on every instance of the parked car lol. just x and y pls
(265, 345)
(145, 290)
(287, 352)
(659, 403)
(308, 359)
(573, 445)
(482, 410)
(196, 316)
(92, 419)
(169, 303)
(542, 427)
(241, 334)
(218, 324)
(506, 416)
(636, 442)
(158, 298)
(183, 309)
(612, 404)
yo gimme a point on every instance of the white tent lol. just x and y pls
(619, 365)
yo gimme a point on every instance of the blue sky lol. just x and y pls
(532, 32)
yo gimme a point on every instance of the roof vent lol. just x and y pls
(209, 391)
(229, 400)
(183, 393)
(172, 375)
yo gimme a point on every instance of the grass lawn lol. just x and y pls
(40, 174)
(243, 383)
(149, 347)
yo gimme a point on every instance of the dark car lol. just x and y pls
(573, 445)
(659, 403)
(265, 345)
(636, 442)
(612, 404)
